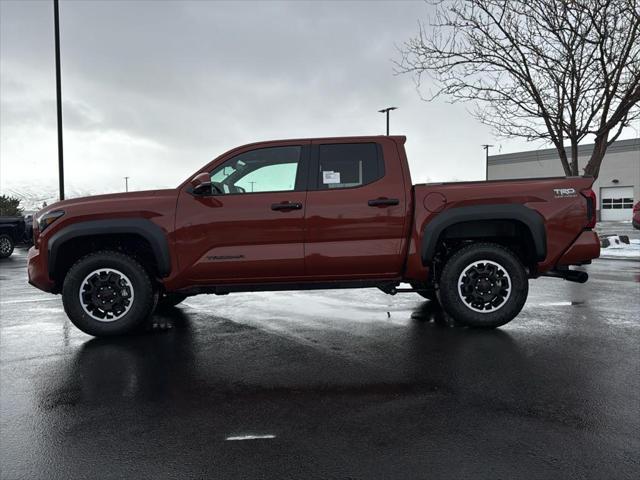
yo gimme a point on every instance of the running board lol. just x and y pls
(569, 275)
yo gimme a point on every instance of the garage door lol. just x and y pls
(616, 203)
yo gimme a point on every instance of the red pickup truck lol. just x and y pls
(312, 214)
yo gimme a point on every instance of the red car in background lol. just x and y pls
(636, 216)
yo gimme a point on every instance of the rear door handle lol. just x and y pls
(383, 202)
(286, 206)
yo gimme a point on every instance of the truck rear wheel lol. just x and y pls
(107, 293)
(6, 245)
(483, 285)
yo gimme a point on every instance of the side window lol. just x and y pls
(273, 169)
(345, 165)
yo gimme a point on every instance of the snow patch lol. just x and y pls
(619, 249)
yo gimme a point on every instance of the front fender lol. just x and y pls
(137, 226)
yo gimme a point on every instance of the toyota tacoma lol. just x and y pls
(313, 214)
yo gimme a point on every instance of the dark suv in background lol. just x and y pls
(14, 230)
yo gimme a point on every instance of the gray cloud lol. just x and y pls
(154, 90)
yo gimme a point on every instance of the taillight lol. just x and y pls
(590, 195)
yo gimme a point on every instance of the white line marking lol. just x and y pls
(250, 437)
(7, 302)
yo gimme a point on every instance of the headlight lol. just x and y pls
(48, 218)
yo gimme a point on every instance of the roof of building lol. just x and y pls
(632, 144)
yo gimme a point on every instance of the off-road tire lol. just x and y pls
(143, 294)
(454, 274)
(168, 300)
(6, 245)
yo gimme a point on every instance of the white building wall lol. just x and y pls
(620, 167)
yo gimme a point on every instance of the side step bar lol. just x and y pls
(570, 275)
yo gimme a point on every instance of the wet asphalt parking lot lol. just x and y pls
(349, 384)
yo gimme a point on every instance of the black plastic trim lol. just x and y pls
(224, 289)
(137, 226)
(530, 218)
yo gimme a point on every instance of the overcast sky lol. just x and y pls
(154, 90)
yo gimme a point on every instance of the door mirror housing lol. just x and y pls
(201, 183)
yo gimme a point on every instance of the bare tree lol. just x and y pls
(553, 70)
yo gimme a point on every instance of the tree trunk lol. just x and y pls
(563, 159)
(593, 167)
(599, 149)
(574, 158)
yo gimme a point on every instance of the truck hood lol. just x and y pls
(112, 201)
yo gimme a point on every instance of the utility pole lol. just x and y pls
(252, 185)
(56, 28)
(126, 184)
(387, 110)
(486, 160)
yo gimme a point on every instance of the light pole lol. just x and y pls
(56, 29)
(126, 184)
(486, 160)
(387, 110)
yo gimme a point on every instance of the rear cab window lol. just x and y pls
(348, 165)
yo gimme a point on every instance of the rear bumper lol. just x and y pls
(37, 271)
(583, 250)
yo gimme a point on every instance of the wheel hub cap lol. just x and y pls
(106, 294)
(484, 286)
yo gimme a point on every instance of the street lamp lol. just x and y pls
(126, 184)
(387, 110)
(486, 160)
(56, 30)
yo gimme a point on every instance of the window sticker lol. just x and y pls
(330, 177)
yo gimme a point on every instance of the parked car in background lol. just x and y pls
(307, 214)
(636, 216)
(12, 231)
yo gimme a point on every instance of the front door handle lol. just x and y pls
(286, 206)
(383, 202)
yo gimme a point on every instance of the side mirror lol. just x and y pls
(201, 183)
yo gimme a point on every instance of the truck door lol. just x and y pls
(250, 227)
(356, 211)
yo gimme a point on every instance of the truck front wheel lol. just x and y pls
(107, 293)
(483, 285)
